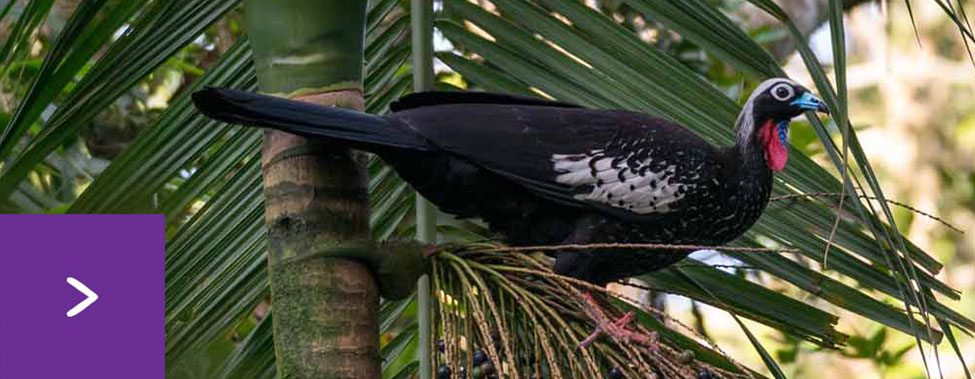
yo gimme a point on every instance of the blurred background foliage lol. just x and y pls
(911, 100)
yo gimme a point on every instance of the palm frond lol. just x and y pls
(525, 30)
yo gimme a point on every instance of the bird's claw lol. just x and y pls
(616, 329)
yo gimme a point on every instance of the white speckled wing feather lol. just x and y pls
(636, 188)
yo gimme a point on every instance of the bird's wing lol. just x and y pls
(626, 163)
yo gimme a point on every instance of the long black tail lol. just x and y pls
(358, 130)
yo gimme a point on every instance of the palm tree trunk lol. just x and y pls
(325, 308)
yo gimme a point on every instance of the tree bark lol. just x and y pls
(325, 308)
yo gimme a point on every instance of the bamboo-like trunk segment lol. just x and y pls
(325, 308)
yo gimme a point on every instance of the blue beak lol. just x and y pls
(809, 102)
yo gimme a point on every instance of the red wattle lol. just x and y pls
(775, 154)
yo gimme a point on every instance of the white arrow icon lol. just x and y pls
(92, 296)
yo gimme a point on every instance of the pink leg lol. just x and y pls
(616, 329)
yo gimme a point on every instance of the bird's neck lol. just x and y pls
(748, 163)
(746, 182)
(746, 127)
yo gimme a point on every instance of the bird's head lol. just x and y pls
(764, 120)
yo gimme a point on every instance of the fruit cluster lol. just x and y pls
(483, 367)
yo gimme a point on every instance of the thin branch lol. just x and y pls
(899, 204)
(839, 207)
(661, 246)
(699, 265)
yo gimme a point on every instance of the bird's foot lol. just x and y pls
(616, 329)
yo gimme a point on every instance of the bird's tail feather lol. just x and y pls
(356, 129)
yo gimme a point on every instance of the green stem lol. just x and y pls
(421, 12)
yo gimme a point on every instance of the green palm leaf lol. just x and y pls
(710, 29)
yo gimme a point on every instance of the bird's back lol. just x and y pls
(558, 161)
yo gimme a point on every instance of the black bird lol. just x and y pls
(542, 172)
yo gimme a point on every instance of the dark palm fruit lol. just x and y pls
(704, 373)
(498, 342)
(686, 357)
(479, 357)
(441, 346)
(615, 373)
(443, 372)
(477, 372)
(487, 368)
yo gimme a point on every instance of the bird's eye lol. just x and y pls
(782, 92)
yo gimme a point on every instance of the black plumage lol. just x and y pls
(542, 172)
